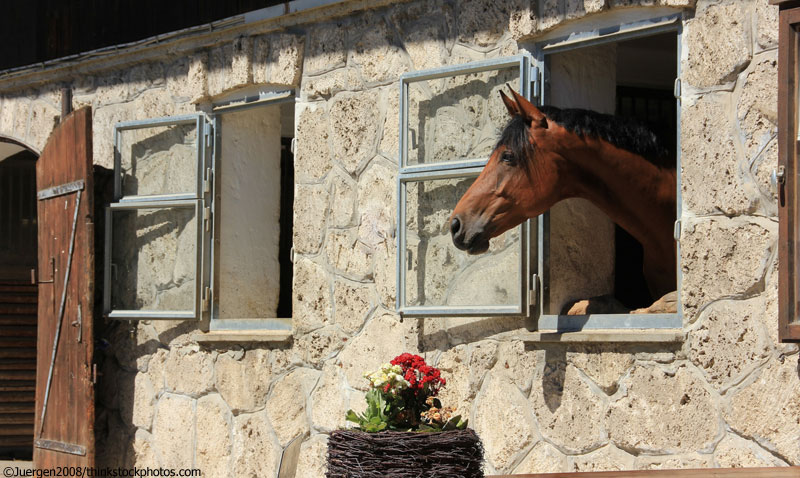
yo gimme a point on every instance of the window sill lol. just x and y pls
(606, 336)
(222, 336)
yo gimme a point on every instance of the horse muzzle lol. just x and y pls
(468, 239)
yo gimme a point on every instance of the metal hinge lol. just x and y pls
(534, 81)
(676, 89)
(533, 293)
(207, 218)
(677, 232)
(207, 178)
(291, 255)
(206, 299)
(209, 132)
(293, 145)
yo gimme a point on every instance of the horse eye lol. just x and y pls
(508, 158)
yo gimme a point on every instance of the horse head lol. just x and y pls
(520, 180)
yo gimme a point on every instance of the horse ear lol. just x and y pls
(512, 107)
(529, 111)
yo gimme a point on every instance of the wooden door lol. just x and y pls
(64, 427)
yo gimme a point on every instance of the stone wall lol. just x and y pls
(724, 396)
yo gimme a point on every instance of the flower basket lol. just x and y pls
(357, 454)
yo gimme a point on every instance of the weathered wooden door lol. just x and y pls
(64, 427)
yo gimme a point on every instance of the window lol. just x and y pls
(201, 226)
(571, 252)
(788, 144)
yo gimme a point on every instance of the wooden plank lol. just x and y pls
(16, 353)
(18, 299)
(8, 331)
(17, 374)
(18, 364)
(21, 320)
(782, 472)
(20, 441)
(18, 309)
(17, 407)
(16, 419)
(13, 430)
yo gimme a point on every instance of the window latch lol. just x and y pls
(533, 293)
(676, 89)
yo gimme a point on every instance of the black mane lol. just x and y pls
(624, 133)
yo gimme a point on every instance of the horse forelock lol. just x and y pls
(516, 138)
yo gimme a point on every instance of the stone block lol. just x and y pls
(382, 339)
(19, 128)
(462, 387)
(757, 106)
(145, 76)
(7, 109)
(229, 66)
(766, 24)
(320, 345)
(761, 168)
(482, 23)
(377, 53)
(326, 50)
(329, 400)
(173, 429)
(569, 413)
(543, 458)
(354, 126)
(773, 421)
(604, 364)
(43, 119)
(674, 462)
(663, 411)
(728, 341)
(707, 141)
(424, 36)
(347, 255)
(313, 457)
(134, 354)
(724, 258)
(255, 449)
(736, 452)
(501, 402)
(141, 407)
(516, 364)
(214, 438)
(312, 305)
(550, 14)
(389, 146)
(718, 44)
(608, 458)
(285, 65)
(286, 406)
(311, 208)
(243, 381)
(352, 304)
(343, 192)
(187, 78)
(143, 454)
(385, 267)
(377, 205)
(189, 372)
(328, 84)
(313, 155)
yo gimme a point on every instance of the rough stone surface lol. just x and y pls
(144, 400)
(313, 457)
(567, 410)
(608, 458)
(774, 422)
(757, 108)
(189, 372)
(174, 418)
(377, 205)
(243, 381)
(353, 129)
(312, 306)
(343, 197)
(604, 364)
(425, 36)
(383, 338)
(707, 138)
(352, 304)
(377, 53)
(286, 407)
(724, 258)
(729, 341)
(312, 157)
(675, 462)
(328, 84)
(286, 59)
(347, 255)
(718, 43)
(663, 411)
(325, 48)
(214, 440)
(766, 24)
(315, 347)
(311, 208)
(255, 449)
(736, 452)
(502, 402)
(329, 400)
(516, 364)
(543, 458)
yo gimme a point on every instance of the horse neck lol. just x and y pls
(632, 191)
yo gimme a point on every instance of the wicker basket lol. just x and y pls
(356, 454)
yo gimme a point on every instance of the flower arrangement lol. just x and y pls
(402, 397)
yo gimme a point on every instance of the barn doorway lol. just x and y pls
(18, 299)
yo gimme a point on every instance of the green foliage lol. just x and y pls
(375, 418)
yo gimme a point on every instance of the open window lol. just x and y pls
(201, 223)
(450, 119)
(629, 70)
(787, 174)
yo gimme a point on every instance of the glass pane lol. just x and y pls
(154, 259)
(437, 273)
(159, 160)
(457, 118)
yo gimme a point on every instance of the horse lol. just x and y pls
(545, 155)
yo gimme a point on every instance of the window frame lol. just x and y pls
(599, 36)
(196, 200)
(788, 148)
(453, 170)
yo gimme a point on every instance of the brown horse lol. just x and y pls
(546, 154)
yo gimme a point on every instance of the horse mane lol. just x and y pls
(624, 133)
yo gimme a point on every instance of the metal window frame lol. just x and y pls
(624, 32)
(216, 324)
(450, 170)
(196, 199)
(128, 314)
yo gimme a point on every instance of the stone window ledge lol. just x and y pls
(607, 335)
(222, 336)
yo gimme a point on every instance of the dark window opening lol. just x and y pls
(286, 233)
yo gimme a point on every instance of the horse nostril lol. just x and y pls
(455, 226)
